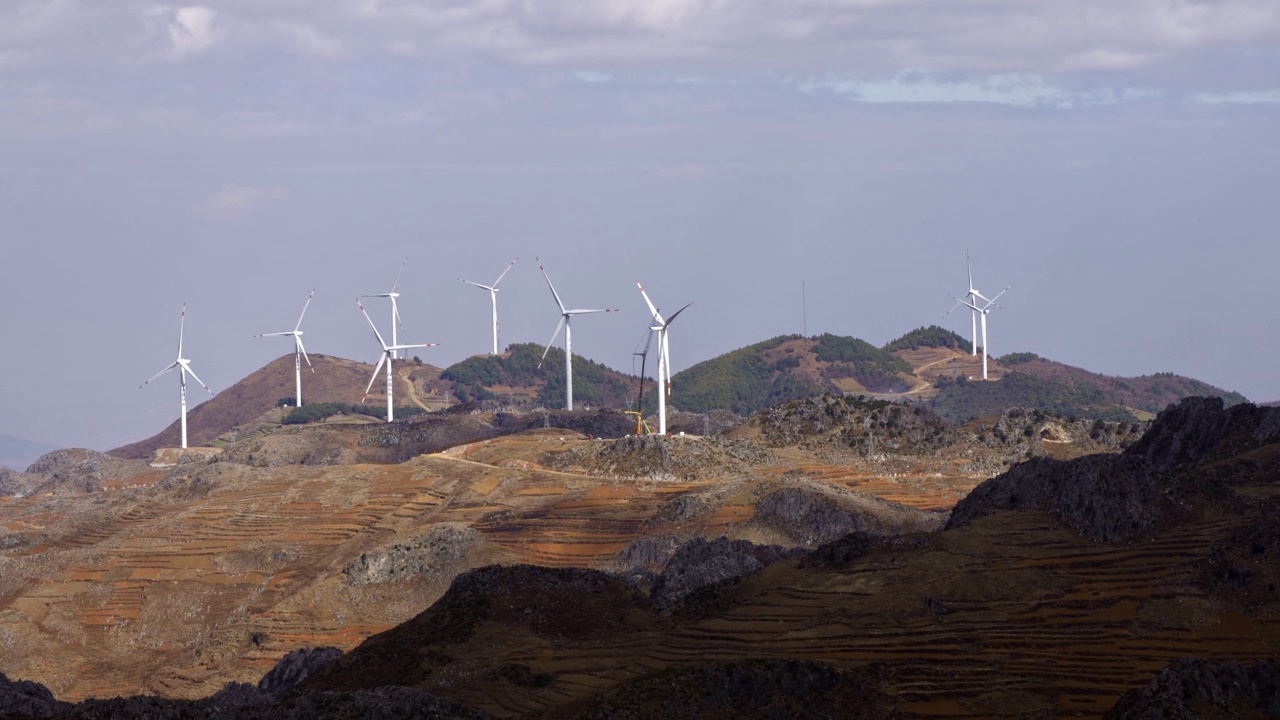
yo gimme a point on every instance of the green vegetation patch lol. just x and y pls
(742, 381)
(932, 336)
(592, 382)
(1017, 358)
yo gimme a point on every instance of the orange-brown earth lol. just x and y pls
(177, 581)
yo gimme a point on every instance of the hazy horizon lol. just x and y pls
(1115, 161)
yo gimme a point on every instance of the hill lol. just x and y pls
(17, 453)
(1145, 393)
(515, 375)
(786, 368)
(334, 379)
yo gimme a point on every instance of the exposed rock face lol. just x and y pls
(1194, 428)
(700, 563)
(425, 554)
(808, 515)
(661, 458)
(1112, 497)
(13, 482)
(1106, 497)
(867, 425)
(1193, 688)
(77, 470)
(295, 667)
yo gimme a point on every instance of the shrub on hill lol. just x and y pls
(742, 381)
(1017, 358)
(932, 336)
(593, 382)
(962, 401)
(875, 369)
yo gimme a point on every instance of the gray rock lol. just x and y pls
(295, 667)
(701, 563)
(425, 554)
(1191, 685)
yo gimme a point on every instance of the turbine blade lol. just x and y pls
(582, 311)
(171, 366)
(652, 310)
(673, 317)
(395, 313)
(182, 326)
(304, 310)
(993, 300)
(969, 268)
(966, 303)
(486, 287)
(187, 368)
(553, 287)
(504, 274)
(666, 361)
(277, 334)
(953, 307)
(407, 347)
(554, 335)
(376, 369)
(298, 340)
(381, 342)
(398, 272)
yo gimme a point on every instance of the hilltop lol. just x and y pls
(17, 453)
(520, 375)
(334, 379)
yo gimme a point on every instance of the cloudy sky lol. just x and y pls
(1117, 160)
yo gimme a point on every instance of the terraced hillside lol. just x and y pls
(1010, 612)
(175, 581)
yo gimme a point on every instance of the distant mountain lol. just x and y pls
(18, 453)
(516, 375)
(334, 380)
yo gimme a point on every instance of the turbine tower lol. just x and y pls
(184, 367)
(388, 354)
(566, 316)
(493, 295)
(299, 352)
(395, 311)
(983, 311)
(664, 357)
(972, 298)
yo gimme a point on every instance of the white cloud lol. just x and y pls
(1029, 91)
(236, 200)
(189, 30)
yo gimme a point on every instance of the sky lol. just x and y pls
(804, 166)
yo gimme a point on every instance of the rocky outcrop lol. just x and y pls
(239, 701)
(295, 667)
(77, 470)
(1193, 688)
(661, 457)
(426, 554)
(13, 482)
(1114, 497)
(701, 563)
(1195, 428)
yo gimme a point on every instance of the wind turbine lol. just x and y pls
(983, 311)
(299, 352)
(184, 367)
(973, 296)
(493, 295)
(388, 354)
(566, 316)
(664, 357)
(395, 312)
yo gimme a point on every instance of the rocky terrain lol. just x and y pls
(546, 573)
